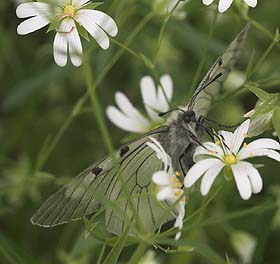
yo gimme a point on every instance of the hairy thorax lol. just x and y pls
(181, 140)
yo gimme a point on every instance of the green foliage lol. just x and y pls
(52, 126)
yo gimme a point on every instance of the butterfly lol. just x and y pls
(122, 182)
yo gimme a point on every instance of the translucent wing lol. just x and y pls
(124, 185)
(222, 65)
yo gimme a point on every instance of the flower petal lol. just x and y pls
(224, 5)
(254, 177)
(180, 218)
(209, 149)
(198, 169)
(242, 181)
(227, 138)
(161, 154)
(61, 43)
(122, 121)
(209, 177)
(165, 91)
(149, 96)
(263, 143)
(244, 154)
(101, 19)
(251, 3)
(34, 9)
(129, 110)
(239, 135)
(32, 24)
(94, 30)
(207, 2)
(161, 178)
(166, 193)
(75, 46)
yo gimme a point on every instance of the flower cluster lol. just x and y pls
(211, 158)
(156, 100)
(224, 5)
(170, 188)
(67, 18)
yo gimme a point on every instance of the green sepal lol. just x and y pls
(276, 120)
(53, 25)
(228, 175)
(261, 94)
(93, 5)
(82, 32)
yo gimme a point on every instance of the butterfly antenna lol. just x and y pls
(192, 101)
(172, 110)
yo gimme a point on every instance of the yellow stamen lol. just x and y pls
(217, 142)
(69, 10)
(230, 159)
(178, 193)
(245, 135)
(245, 145)
(177, 173)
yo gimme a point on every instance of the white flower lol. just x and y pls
(168, 183)
(212, 158)
(128, 118)
(66, 15)
(224, 5)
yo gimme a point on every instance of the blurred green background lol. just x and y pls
(36, 102)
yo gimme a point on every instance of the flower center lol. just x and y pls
(230, 159)
(69, 10)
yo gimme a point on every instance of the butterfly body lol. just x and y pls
(182, 138)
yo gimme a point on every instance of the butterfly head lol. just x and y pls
(189, 116)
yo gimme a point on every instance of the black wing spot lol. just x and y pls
(124, 150)
(96, 170)
(220, 62)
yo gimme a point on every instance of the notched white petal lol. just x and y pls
(198, 169)
(32, 24)
(161, 178)
(207, 2)
(34, 9)
(242, 181)
(224, 5)
(251, 3)
(101, 19)
(165, 194)
(209, 178)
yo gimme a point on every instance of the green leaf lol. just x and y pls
(53, 25)
(115, 252)
(202, 249)
(82, 32)
(276, 120)
(261, 94)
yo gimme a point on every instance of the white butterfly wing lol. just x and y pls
(101, 184)
(224, 65)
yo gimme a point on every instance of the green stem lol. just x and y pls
(162, 30)
(138, 253)
(91, 88)
(204, 53)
